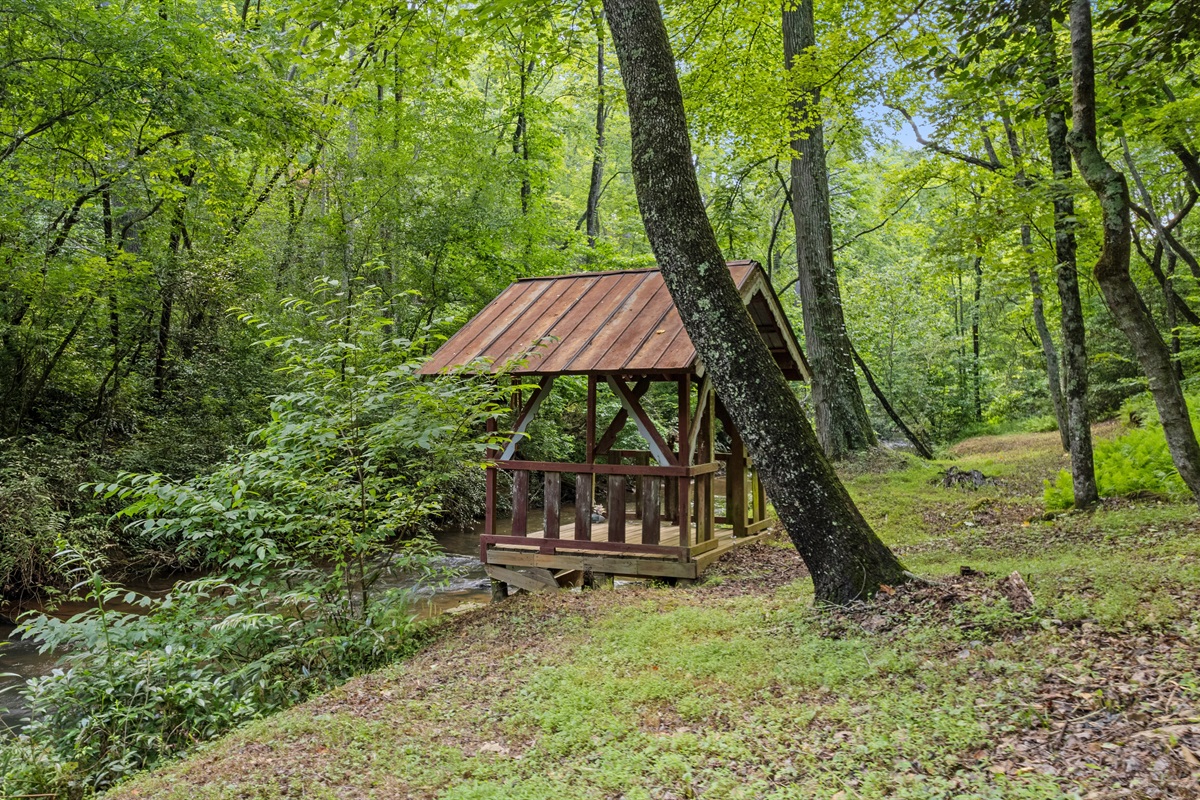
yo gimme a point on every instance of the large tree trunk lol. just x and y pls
(1112, 267)
(1074, 342)
(846, 559)
(842, 422)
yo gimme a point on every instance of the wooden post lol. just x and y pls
(735, 483)
(489, 503)
(553, 504)
(520, 519)
(583, 507)
(649, 507)
(590, 424)
(682, 504)
(705, 453)
(616, 508)
(760, 499)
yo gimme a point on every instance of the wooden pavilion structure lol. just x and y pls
(621, 329)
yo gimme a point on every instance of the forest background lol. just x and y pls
(163, 164)
(230, 232)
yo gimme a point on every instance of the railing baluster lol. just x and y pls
(649, 507)
(520, 519)
(583, 507)
(616, 508)
(553, 498)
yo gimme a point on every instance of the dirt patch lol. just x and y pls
(756, 569)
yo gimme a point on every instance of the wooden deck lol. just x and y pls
(630, 558)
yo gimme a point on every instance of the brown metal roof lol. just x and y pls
(618, 323)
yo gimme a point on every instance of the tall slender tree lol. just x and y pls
(845, 557)
(843, 425)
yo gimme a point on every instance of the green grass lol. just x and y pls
(729, 690)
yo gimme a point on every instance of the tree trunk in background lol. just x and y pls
(976, 372)
(842, 422)
(520, 142)
(1112, 267)
(1074, 341)
(592, 215)
(163, 341)
(1049, 353)
(846, 559)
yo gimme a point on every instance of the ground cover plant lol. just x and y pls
(740, 688)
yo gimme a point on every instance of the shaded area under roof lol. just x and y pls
(605, 323)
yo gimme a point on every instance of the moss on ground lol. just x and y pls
(739, 688)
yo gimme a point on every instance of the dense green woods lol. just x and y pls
(229, 231)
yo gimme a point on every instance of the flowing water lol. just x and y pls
(20, 660)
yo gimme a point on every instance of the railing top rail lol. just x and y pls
(609, 469)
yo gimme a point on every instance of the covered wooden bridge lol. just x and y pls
(660, 511)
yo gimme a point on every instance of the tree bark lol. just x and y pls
(841, 416)
(846, 559)
(1074, 342)
(1112, 267)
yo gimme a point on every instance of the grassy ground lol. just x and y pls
(739, 688)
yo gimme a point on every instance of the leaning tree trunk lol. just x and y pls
(1074, 342)
(846, 559)
(1112, 267)
(842, 422)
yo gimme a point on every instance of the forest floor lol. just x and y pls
(740, 688)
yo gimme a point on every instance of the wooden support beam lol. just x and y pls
(646, 427)
(531, 581)
(616, 508)
(583, 506)
(520, 505)
(618, 424)
(526, 416)
(650, 501)
(553, 504)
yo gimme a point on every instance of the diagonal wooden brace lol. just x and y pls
(526, 416)
(646, 427)
(618, 424)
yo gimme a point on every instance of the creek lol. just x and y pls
(20, 659)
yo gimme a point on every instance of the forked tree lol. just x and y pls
(845, 557)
